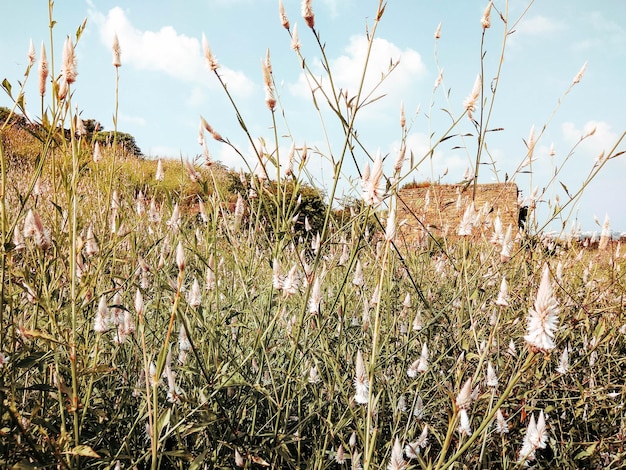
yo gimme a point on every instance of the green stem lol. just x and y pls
(489, 418)
(370, 437)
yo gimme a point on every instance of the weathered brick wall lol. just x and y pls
(440, 208)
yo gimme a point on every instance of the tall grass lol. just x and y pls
(138, 333)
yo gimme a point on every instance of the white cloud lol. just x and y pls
(332, 7)
(602, 34)
(538, 25)
(226, 155)
(230, 3)
(165, 151)
(197, 96)
(608, 26)
(602, 140)
(136, 120)
(166, 51)
(348, 68)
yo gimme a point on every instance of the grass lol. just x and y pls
(138, 336)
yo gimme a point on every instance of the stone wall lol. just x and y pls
(439, 208)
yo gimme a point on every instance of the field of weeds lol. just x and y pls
(136, 332)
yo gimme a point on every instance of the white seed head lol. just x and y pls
(208, 55)
(31, 53)
(180, 257)
(284, 21)
(43, 70)
(361, 381)
(485, 20)
(543, 318)
(307, 13)
(464, 398)
(295, 41)
(580, 74)
(117, 52)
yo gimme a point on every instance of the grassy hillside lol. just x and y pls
(24, 141)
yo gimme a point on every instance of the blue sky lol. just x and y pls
(165, 85)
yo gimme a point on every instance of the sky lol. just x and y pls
(165, 85)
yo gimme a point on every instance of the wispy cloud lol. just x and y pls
(166, 51)
(347, 70)
(332, 7)
(162, 151)
(539, 25)
(136, 120)
(607, 34)
(602, 140)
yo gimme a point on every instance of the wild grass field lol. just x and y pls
(181, 315)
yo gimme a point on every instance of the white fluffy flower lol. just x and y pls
(467, 222)
(361, 382)
(536, 438)
(563, 367)
(502, 426)
(373, 192)
(503, 295)
(412, 449)
(543, 319)
(464, 423)
(492, 378)
(396, 462)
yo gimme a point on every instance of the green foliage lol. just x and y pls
(151, 337)
(124, 140)
(291, 209)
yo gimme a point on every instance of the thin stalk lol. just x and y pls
(484, 121)
(3, 235)
(53, 83)
(485, 434)
(146, 371)
(370, 440)
(91, 380)
(489, 418)
(73, 197)
(154, 448)
(115, 149)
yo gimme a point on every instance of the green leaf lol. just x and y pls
(20, 103)
(30, 361)
(599, 330)
(234, 380)
(7, 87)
(81, 28)
(32, 334)
(84, 451)
(198, 461)
(164, 420)
(45, 121)
(588, 452)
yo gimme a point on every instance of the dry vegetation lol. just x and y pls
(438, 209)
(136, 334)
